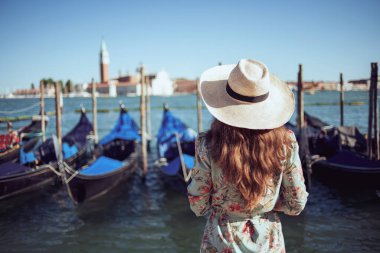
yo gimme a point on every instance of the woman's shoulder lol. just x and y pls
(202, 134)
(201, 138)
(291, 135)
(201, 144)
(292, 145)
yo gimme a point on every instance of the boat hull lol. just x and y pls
(349, 169)
(31, 180)
(83, 188)
(16, 178)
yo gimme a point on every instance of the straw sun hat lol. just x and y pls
(246, 95)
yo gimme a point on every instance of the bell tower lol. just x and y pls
(104, 63)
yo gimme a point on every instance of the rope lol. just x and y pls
(186, 176)
(51, 168)
(69, 170)
(21, 110)
(72, 176)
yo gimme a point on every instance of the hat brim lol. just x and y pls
(271, 113)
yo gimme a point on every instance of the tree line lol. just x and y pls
(49, 83)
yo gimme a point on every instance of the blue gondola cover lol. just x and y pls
(26, 157)
(125, 128)
(173, 167)
(102, 165)
(68, 151)
(169, 127)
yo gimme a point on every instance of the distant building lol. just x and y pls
(162, 85)
(104, 63)
(314, 85)
(185, 86)
(126, 85)
(362, 84)
(158, 84)
(359, 84)
(112, 92)
(80, 90)
(129, 85)
(120, 86)
(27, 92)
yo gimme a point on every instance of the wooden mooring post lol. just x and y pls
(302, 131)
(148, 124)
(370, 115)
(57, 87)
(300, 109)
(374, 77)
(341, 100)
(199, 107)
(42, 105)
(144, 154)
(94, 111)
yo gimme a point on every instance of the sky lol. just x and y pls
(61, 39)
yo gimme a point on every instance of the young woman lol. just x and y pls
(247, 165)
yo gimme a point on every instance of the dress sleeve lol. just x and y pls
(293, 196)
(199, 190)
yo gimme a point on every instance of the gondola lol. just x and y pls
(349, 168)
(326, 139)
(39, 167)
(339, 155)
(116, 159)
(175, 148)
(27, 135)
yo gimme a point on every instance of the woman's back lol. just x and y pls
(231, 225)
(247, 166)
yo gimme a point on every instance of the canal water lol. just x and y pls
(148, 217)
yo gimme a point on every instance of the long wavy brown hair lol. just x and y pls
(248, 158)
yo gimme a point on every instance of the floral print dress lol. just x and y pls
(229, 227)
